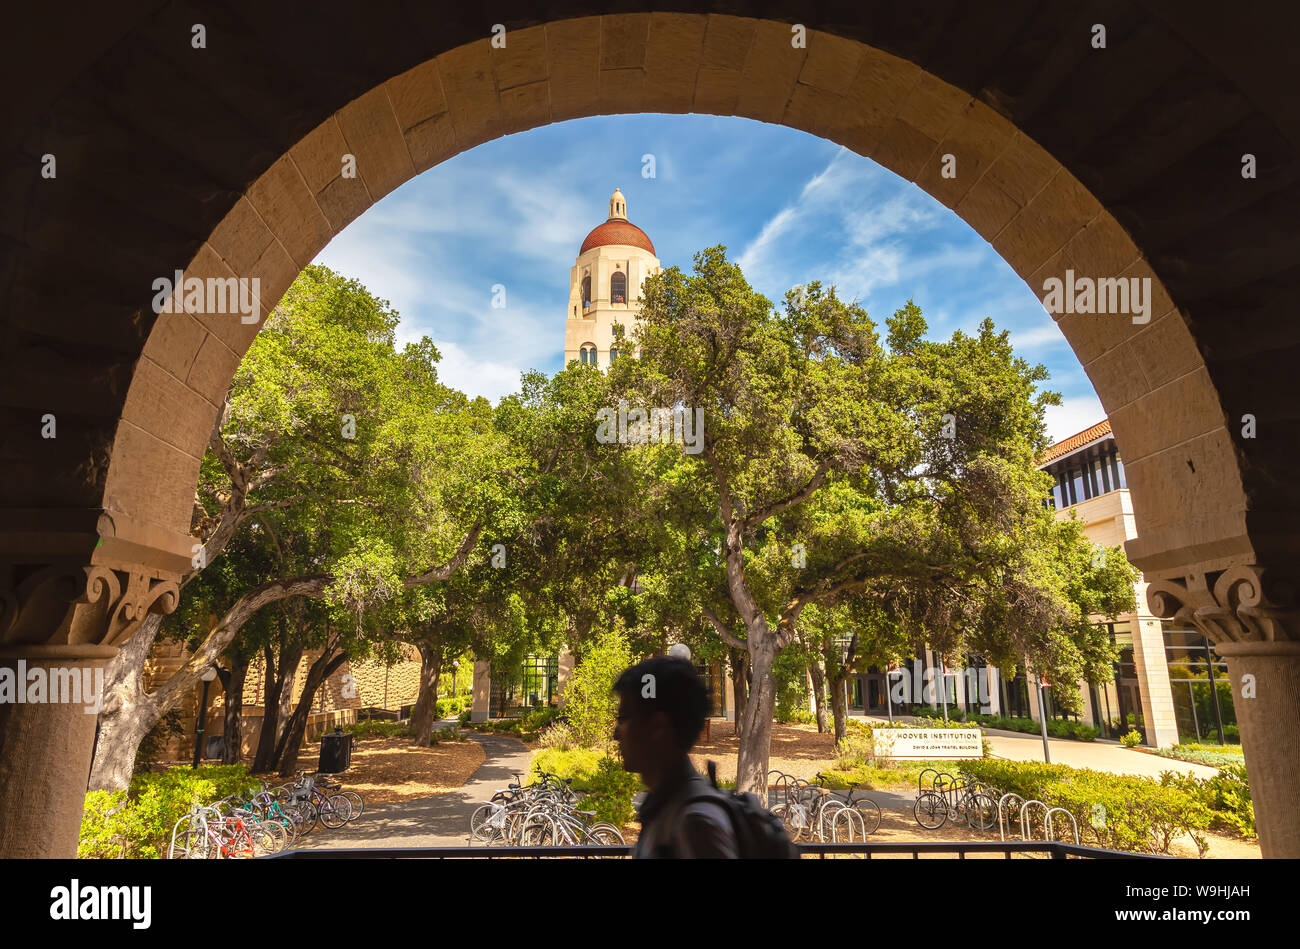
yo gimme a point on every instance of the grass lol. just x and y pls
(1214, 756)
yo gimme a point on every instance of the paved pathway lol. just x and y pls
(438, 821)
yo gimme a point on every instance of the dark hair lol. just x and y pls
(679, 694)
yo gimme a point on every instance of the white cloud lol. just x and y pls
(1073, 415)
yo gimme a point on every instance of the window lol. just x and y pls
(587, 354)
(613, 353)
(618, 287)
(586, 292)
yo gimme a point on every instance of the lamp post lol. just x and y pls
(1042, 717)
(889, 699)
(208, 675)
(680, 651)
(455, 667)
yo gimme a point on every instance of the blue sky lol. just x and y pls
(791, 208)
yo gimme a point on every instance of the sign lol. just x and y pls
(926, 743)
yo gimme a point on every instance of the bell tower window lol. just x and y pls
(618, 287)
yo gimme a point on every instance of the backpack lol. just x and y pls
(760, 835)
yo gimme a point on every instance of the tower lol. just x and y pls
(605, 287)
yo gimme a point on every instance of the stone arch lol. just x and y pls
(1127, 166)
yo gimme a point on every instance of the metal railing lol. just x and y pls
(916, 849)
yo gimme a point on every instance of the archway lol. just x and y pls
(1124, 162)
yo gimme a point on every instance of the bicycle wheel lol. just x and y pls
(305, 816)
(981, 811)
(844, 826)
(480, 822)
(930, 810)
(266, 840)
(794, 816)
(537, 830)
(334, 812)
(607, 835)
(354, 799)
(869, 811)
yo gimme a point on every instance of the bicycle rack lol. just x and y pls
(1024, 817)
(1047, 823)
(1002, 818)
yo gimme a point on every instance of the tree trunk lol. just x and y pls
(425, 712)
(128, 712)
(838, 707)
(739, 685)
(296, 728)
(233, 752)
(819, 697)
(279, 686)
(756, 739)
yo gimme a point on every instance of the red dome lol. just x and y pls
(615, 231)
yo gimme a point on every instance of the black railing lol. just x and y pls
(915, 849)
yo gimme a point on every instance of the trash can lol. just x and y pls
(335, 752)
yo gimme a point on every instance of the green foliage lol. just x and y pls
(464, 718)
(137, 823)
(378, 728)
(1119, 812)
(607, 788)
(446, 733)
(790, 672)
(611, 792)
(1226, 796)
(559, 736)
(1056, 728)
(1213, 755)
(592, 705)
(1131, 739)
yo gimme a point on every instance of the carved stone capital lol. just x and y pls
(73, 610)
(1242, 604)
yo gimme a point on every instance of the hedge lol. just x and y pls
(137, 823)
(1115, 811)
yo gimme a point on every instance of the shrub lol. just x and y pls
(1216, 756)
(378, 728)
(612, 791)
(795, 715)
(137, 823)
(1132, 739)
(592, 705)
(446, 733)
(576, 764)
(559, 736)
(464, 717)
(1120, 812)
(607, 788)
(1226, 796)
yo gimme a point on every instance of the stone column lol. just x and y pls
(59, 625)
(1151, 662)
(1250, 615)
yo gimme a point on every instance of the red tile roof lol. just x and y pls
(1075, 441)
(616, 231)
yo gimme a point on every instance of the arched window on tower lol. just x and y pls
(613, 352)
(618, 287)
(587, 354)
(586, 292)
